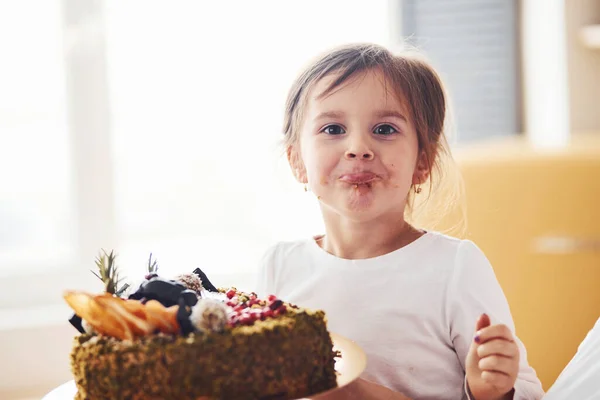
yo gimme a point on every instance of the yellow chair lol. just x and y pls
(536, 215)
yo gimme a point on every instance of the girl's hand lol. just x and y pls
(362, 389)
(492, 364)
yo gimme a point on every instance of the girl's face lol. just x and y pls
(358, 149)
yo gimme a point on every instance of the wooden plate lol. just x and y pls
(349, 366)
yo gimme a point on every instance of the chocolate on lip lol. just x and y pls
(358, 178)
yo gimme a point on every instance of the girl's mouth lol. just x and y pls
(359, 178)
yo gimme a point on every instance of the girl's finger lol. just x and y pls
(494, 332)
(500, 347)
(505, 365)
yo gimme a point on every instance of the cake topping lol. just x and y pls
(124, 319)
(276, 304)
(182, 305)
(183, 317)
(89, 329)
(205, 282)
(246, 309)
(209, 315)
(152, 268)
(165, 291)
(190, 281)
(77, 322)
(107, 273)
(189, 297)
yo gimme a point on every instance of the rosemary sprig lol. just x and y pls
(152, 265)
(108, 273)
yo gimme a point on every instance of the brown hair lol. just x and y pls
(412, 80)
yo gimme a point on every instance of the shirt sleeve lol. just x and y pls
(474, 290)
(581, 377)
(265, 282)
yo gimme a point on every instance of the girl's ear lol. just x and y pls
(295, 161)
(421, 169)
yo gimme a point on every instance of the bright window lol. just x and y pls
(154, 127)
(197, 95)
(36, 218)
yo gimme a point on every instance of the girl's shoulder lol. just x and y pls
(441, 242)
(462, 257)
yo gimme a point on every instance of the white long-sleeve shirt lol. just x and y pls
(413, 311)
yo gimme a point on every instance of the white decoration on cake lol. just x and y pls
(87, 327)
(205, 294)
(209, 315)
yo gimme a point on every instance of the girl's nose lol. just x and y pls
(364, 154)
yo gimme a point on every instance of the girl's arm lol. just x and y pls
(473, 291)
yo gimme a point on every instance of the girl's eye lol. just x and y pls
(385, 130)
(333, 130)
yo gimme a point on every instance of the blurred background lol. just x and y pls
(155, 126)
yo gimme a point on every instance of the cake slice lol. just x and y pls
(173, 339)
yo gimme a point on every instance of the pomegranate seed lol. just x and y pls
(272, 297)
(276, 304)
(269, 313)
(282, 309)
(230, 294)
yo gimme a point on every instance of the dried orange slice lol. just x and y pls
(124, 319)
(103, 321)
(81, 303)
(138, 326)
(115, 326)
(136, 308)
(171, 314)
(158, 316)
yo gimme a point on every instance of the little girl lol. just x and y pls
(364, 133)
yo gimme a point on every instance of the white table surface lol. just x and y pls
(65, 391)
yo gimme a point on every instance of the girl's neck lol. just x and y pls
(359, 240)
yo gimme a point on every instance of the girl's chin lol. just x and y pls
(360, 197)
